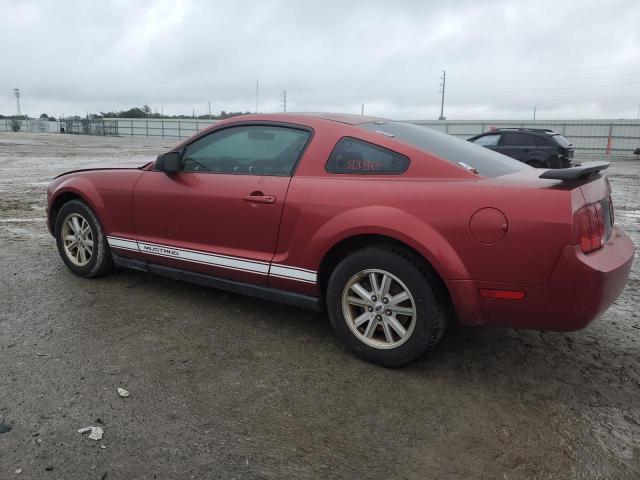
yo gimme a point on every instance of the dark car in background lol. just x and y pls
(538, 148)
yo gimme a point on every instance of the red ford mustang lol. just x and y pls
(394, 228)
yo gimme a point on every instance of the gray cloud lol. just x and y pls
(570, 59)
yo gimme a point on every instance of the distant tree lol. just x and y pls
(44, 116)
(146, 109)
(134, 112)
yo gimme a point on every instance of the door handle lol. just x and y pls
(259, 197)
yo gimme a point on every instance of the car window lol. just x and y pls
(541, 142)
(563, 142)
(487, 162)
(247, 150)
(487, 140)
(517, 140)
(363, 158)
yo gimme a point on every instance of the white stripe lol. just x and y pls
(291, 278)
(223, 261)
(293, 273)
(206, 258)
(122, 243)
(198, 251)
(293, 268)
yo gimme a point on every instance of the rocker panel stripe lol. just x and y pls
(223, 261)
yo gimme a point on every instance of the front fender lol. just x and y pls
(78, 186)
(109, 193)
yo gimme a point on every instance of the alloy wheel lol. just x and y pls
(379, 309)
(77, 239)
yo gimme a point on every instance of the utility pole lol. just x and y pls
(534, 112)
(638, 116)
(283, 97)
(443, 84)
(193, 113)
(16, 92)
(362, 110)
(209, 109)
(257, 90)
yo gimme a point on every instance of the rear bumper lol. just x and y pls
(580, 289)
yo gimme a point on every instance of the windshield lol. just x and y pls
(464, 154)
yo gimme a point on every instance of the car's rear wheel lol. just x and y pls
(81, 241)
(386, 306)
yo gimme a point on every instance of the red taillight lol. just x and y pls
(591, 230)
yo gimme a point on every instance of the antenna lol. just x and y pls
(283, 97)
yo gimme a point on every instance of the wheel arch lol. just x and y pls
(348, 245)
(68, 191)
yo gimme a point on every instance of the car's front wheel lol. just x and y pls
(386, 306)
(81, 241)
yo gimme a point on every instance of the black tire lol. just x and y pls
(430, 320)
(100, 261)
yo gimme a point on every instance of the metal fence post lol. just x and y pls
(131, 123)
(162, 125)
(179, 129)
(147, 126)
(609, 139)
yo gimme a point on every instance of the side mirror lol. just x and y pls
(170, 162)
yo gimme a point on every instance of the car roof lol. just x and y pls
(534, 131)
(349, 119)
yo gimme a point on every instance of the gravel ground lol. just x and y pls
(225, 386)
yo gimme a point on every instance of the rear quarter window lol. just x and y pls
(353, 156)
(455, 150)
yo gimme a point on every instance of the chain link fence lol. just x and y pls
(611, 137)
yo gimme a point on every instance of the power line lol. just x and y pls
(599, 67)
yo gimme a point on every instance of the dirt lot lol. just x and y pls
(224, 386)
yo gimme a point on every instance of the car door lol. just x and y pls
(220, 215)
(514, 144)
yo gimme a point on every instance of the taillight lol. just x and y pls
(591, 227)
(612, 215)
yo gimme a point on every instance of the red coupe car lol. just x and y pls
(397, 230)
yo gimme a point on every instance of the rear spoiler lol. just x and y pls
(575, 173)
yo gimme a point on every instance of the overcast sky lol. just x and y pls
(571, 59)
